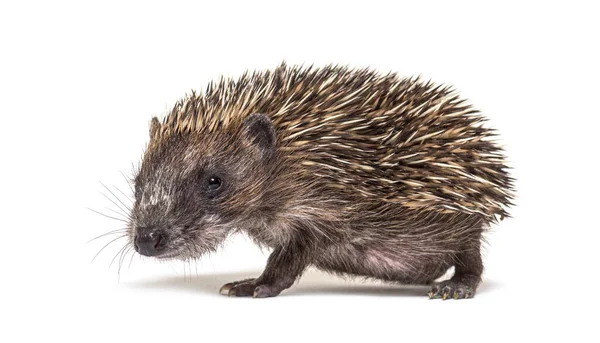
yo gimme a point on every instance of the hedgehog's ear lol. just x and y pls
(260, 131)
(154, 126)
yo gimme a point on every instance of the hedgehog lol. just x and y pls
(350, 171)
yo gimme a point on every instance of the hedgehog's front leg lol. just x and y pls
(284, 266)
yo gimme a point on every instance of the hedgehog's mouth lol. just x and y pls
(171, 252)
(167, 255)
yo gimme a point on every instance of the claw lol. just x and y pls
(452, 289)
(225, 289)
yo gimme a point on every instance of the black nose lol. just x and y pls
(149, 241)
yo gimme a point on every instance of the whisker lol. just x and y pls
(104, 247)
(117, 254)
(116, 197)
(188, 269)
(119, 213)
(123, 255)
(131, 259)
(113, 232)
(107, 216)
(124, 212)
(129, 182)
(170, 264)
(123, 193)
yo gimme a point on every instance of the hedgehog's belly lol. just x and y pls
(384, 264)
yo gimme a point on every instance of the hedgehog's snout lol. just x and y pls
(149, 241)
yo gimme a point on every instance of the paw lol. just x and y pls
(242, 288)
(451, 289)
(249, 287)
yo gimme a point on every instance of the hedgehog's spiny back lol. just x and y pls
(398, 140)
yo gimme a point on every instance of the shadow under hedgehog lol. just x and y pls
(347, 170)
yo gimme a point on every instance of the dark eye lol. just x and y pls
(214, 183)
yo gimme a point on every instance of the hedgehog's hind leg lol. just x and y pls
(467, 275)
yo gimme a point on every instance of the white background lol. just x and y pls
(80, 82)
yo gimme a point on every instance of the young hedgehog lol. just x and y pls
(347, 170)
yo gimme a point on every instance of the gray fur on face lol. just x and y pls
(170, 196)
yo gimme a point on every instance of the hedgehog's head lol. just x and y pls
(194, 188)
